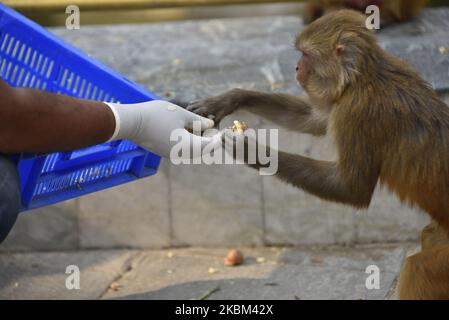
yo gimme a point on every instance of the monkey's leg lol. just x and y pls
(291, 112)
(425, 276)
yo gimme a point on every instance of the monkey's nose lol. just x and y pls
(297, 68)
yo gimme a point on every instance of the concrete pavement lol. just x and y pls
(199, 273)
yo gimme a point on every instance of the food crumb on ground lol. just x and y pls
(260, 260)
(212, 270)
(233, 258)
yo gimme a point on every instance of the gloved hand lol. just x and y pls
(150, 124)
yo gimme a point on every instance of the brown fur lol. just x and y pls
(390, 10)
(411, 122)
(387, 123)
(425, 275)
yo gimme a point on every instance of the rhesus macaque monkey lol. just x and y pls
(388, 125)
(390, 10)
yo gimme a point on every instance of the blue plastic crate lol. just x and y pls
(30, 56)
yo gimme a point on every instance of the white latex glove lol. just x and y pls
(150, 124)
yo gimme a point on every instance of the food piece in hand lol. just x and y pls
(234, 258)
(239, 127)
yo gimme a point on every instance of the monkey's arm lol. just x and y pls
(328, 180)
(288, 111)
(349, 181)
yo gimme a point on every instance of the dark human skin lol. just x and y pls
(37, 121)
(388, 125)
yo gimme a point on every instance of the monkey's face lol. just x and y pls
(333, 49)
(320, 72)
(302, 69)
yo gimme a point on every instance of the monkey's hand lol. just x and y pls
(243, 147)
(216, 108)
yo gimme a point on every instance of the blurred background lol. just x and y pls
(52, 12)
(188, 49)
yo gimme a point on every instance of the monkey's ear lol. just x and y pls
(340, 49)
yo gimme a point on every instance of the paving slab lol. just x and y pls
(294, 217)
(133, 215)
(50, 228)
(197, 273)
(268, 273)
(350, 258)
(387, 219)
(43, 275)
(216, 205)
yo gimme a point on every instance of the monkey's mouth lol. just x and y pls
(301, 81)
(301, 78)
